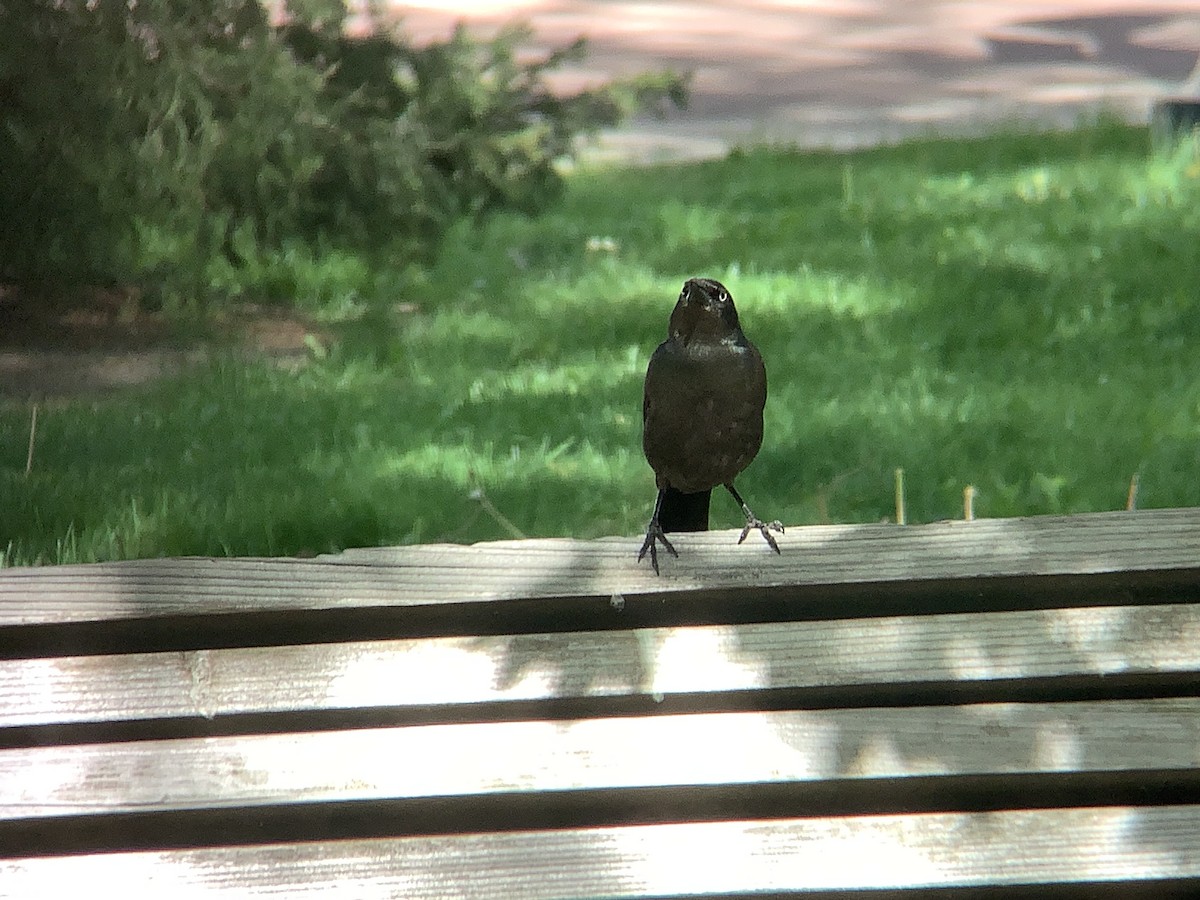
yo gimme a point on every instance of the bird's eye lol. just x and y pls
(723, 297)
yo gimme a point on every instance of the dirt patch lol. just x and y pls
(105, 341)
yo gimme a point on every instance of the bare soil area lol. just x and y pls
(105, 341)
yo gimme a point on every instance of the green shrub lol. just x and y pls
(156, 140)
(65, 186)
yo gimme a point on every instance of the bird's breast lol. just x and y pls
(724, 368)
(702, 413)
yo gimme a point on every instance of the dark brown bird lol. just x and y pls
(702, 414)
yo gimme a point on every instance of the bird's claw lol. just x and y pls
(764, 528)
(654, 534)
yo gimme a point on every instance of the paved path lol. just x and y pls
(851, 72)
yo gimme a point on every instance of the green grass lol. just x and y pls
(1020, 313)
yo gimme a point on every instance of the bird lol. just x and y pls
(702, 415)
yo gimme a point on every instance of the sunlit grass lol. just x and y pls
(1019, 313)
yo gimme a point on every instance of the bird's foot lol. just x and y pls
(654, 534)
(764, 528)
(753, 521)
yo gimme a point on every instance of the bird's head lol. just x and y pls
(704, 312)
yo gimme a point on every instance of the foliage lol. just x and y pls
(1014, 312)
(67, 193)
(152, 140)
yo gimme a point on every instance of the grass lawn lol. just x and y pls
(1020, 313)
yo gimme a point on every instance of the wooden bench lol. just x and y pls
(990, 708)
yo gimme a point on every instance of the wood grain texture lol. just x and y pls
(795, 724)
(1021, 848)
(424, 575)
(633, 752)
(656, 663)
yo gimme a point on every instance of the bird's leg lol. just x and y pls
(753, 521)
(654, 533)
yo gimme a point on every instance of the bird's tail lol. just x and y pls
(684, 512)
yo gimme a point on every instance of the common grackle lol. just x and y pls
(702, 414)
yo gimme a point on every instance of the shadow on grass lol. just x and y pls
(1011, 312)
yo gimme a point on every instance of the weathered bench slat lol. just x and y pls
(1092, 847)
(632, 752)
(415, 576)
(956, 648)
(965, 705)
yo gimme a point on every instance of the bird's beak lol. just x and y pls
(693, 297)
